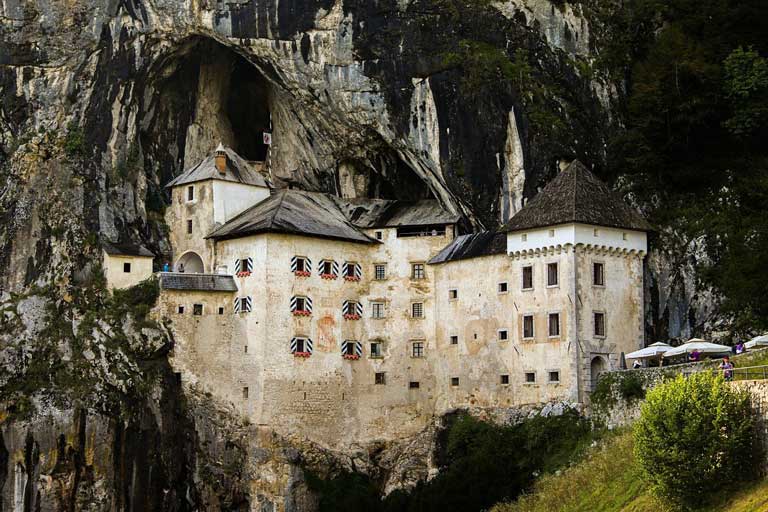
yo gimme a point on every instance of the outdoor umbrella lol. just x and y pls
(758, 341)
(650, 352)
(697, 344)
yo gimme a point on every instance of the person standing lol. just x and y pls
(727, 368)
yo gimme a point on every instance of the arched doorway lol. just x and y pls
(190, 263)
(596, 367)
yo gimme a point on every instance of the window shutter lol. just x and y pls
(345, 308)
(359, 309)
(344, 347)
(308, 304)
(308, 345)
(294, 344)
(358, 349)
(248, 304)
(358, 271)
(308, 263)
(344, 268)
(238, 266)
(237, 305)
(335, 268)
(293, 303)
(294, 265)
(249, 265)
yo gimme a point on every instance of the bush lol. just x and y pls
(694, 437)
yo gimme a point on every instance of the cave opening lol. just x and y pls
(248, 109)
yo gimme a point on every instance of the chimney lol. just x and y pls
(221, 159)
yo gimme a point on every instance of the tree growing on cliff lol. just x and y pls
(695, 436)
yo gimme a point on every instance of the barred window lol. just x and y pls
(380, 271)
(417, 349)
(417, 310)
(377, 349)
(377, 310)
(417, 271)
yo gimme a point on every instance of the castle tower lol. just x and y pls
(578, 249)
(205, 197)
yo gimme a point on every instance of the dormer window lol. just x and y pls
(190, 193)
(301, 266)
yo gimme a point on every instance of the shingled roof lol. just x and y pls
(382, 213)
(293, 212)
(464, 247)
(577, 196)
(126, 249)
(238, 171)
(198, 282)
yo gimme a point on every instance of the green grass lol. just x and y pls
(608, 480)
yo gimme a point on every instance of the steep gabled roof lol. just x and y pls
(383, 213)
(238, 171)
(577, 196)
(485, 243)
(126, 249)
(293, 212)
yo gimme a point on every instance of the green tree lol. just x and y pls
(695, 436)
(746, 86)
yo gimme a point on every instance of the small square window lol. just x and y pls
(181, 310)
(551, 233)
(376, 349)
(599, 324)
(503, 287)
(377, 310)
(453, 294)
(380, 378)
(189, 227)
(524, 237)
(127, 268)
(191, 193)
(417, 310)
(197, 309)
(598, 274)
(554, 324)
(350, 269)
(454, 340)
(454, 381)
(379, 235)
(528, 278)
(301, 264)
(221, 310)
(414, 384)
(417, 271)
(552, 274)
(503, 335)
(301, 304)
(505, 379)
(380, 271)
(417, 349)
(530, 377)
(245, 393)
(554, 376)
(528, 326)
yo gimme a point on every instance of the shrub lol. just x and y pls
(695, 436)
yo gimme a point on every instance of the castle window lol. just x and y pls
(221, 310)
(301, 347)
(503, 287)
(242, 305)
(552, 274)
(551, 233)
(380, 271)
(454, 381)
(524, 237)
(530, 377)
(528, 326)
(417, 349)
(197, 309)
(301, 306)
(377, 310)
(596, 232)
(243, 267)
(352, 271)
(377, 349)
(190, 193)
(181, 310)
(554, 325)
(453, 294)
(414, 384)
(505, 379)
(599, 324)
(301, 266)
(245, 393)
(417, 271)
(417, 310)
(503, 335)
(127, 268)
(245, 349)
(454, 340)
(329, 269)
(352, 310)
(554, 377)
(379, 235)
(380, 378)
(351, 349)
(623, 236)
(528, 278)
(598, 274)
(189, 227)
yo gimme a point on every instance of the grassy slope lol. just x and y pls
(609, 481)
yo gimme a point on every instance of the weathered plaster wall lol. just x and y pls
(201, 212)
(141, 269)
(231, 199)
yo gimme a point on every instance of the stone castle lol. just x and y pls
(352, 320)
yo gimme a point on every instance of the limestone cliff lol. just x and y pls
(103, 102)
